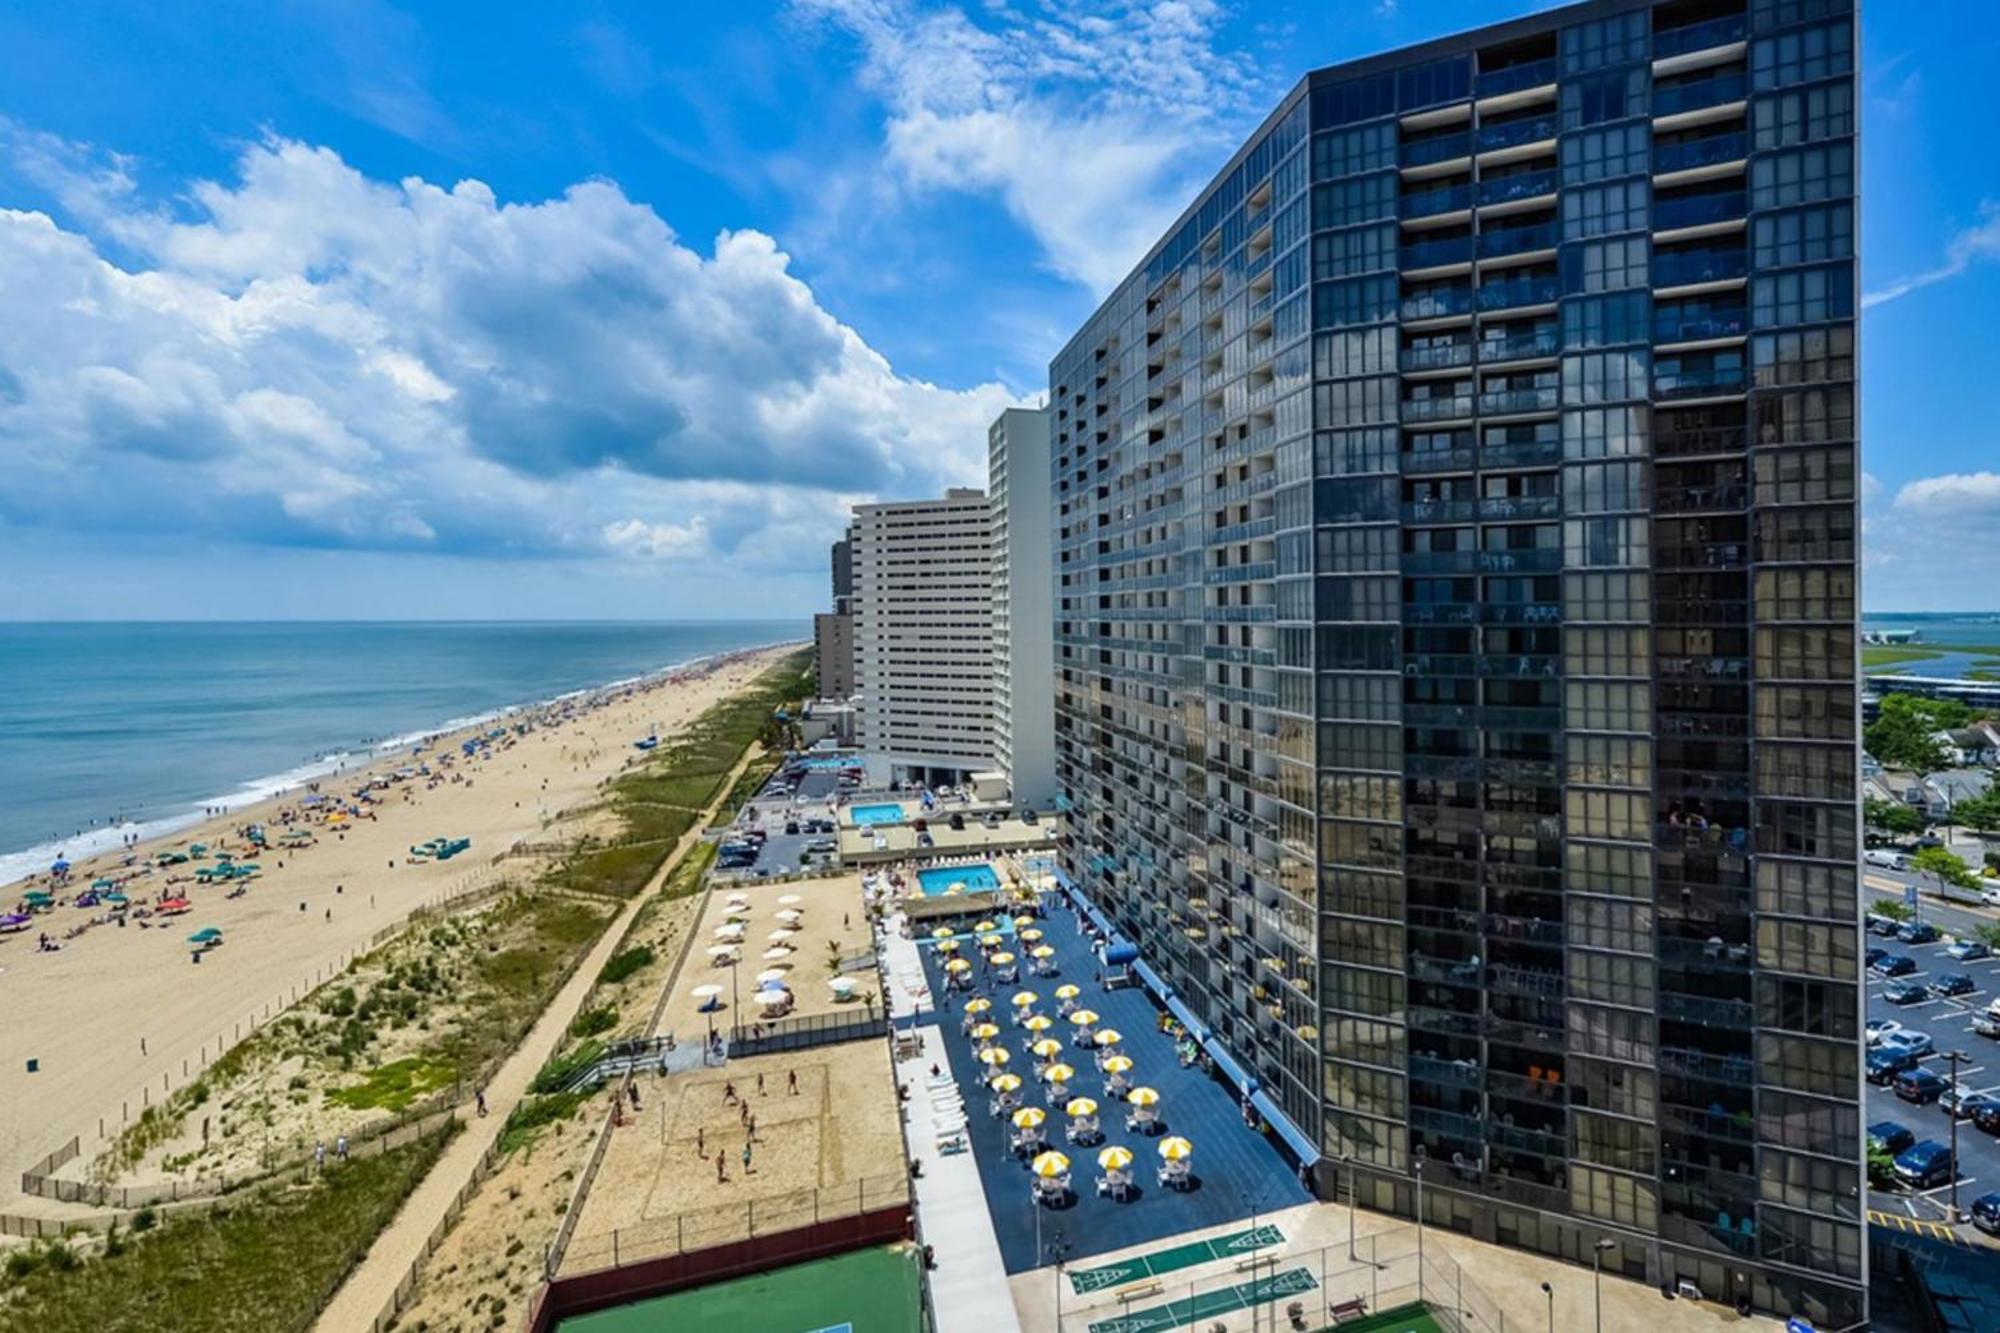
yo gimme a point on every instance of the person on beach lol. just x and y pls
(728, 1092)
(340, 1147)
(792, 1082)
(721, 1174)
(319, 1154)
(480, 1098)
(746, 1157)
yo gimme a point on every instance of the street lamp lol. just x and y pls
(1550, 1292)
(1597, 1279)
(1419, 1164)
(1954, 1058)
(1347, 1170)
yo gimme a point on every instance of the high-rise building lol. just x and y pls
(1017, 488)
(843, 569)
(923, 633)
(833, 654)
(1456, 626)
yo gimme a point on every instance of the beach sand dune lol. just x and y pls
(117, 1016)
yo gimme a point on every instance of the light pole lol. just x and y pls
(1347, 1170)
(1550, 1292)
(1597, 1280)
(1954, 1058)
(1419, 1164)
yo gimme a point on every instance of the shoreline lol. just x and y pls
(24, 866)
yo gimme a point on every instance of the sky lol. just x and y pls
(315, 309)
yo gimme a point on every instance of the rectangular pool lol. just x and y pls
(966, 879)
(866, 816)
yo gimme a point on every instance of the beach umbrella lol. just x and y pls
(1108, 1037)
(206, 935)
(721, 950)
(1080, 1106)
(1039, 1023)
(1118, 1064)
(706, 992)
(729, 928)
(987, 927)
(985, 1031)
(943, 933)
(1023, 998)
(1143, 1097)
(1007, 1083)
(1176, 1149)
(1024, 920)
(738, 899)
(790, 900)
(1058, 1074)
(771, 976)
(1115, 1158)
(990, 940)
(1067, 991)
(947, 946)
(1031, 935)
(61, 867)
(1042, 951)
(994, 1056)
(1046, 1048)
(780, 936)
(978, 1006)
(1030, 1117)
(958, 967)
(1083, 1018)
(791, 915)
(116, 899)
(104, 884)
(776, 952)
(1002, 958)
(772, 998)
(1049, 1165)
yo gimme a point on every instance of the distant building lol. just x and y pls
(843, 569)
(1892, 636)
(1017, 457)
(923, 634)
(833, 653)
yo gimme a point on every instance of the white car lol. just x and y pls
(1990, 897)
(1879, 1029)
(1886, 859)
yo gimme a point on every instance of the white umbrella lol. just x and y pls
(770, 976)
(779, 952)
(780, 936)
(721, 950)
(729, 928)
(706, 992)
(769, 997)
(792, 915)
(790, 900)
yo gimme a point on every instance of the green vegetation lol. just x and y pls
(1881, 1168)
(1944, 867)
(392, 1087)
(1876, 655)
(1893, 908)
(1903, 733)
(623, 964)
(590, 1022)
(534, 1114)
(561, 1068)
(1891, 817)
(264, 1261)
(1980, 813)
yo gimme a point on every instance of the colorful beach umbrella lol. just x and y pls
(958, 967)
(987, 927)
(1030, 1117)
(978, 1006)
(1067, 991)
(1049, 1165)
(1007, 1083)
(1109, 1037)
(206, 935)
(1118, 1064)
(943, 933)
(1024, 920)
(990, 940)
(1115, 1158)
(1031, 935)
(1046, 1049)
(1083, 1018)
(947, 946)
(985, 1031)
(1039, 1023)
(1080, 1106)
(1176, 1149)
(1143, 1097)
(1022, 999)
(1041, 951)
(1002, 958)
(994, 1056)
(1058, 1073)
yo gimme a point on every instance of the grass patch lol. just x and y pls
(393, 1086)
(534, 1114)
(560, 1069)
(624, 964)
(265, 1261)
(1876, 655)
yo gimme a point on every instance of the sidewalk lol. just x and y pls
(368, 1290)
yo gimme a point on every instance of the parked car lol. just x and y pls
(1987, 1118)
(1916, 932)
(1909, 1041)
(1966, 951)
(1986, 1213)
(1964, 1104)
(1884, 925)
(1887, 858)
(791, 828)
(1889, 1137)
(1928, 1163)
(1883, 1066)
(1896, 965)
(1919, 1086)
(1906, 992)
(1874, 955)
(1990, 897)
(1954, 983)
(1878, 1028)
(1986, 1025)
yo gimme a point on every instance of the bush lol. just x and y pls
(563, 1067)
(593, 1021)
(623, 965)
(533, 1114)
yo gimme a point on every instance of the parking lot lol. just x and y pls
(1948, 1021)
(774, 808)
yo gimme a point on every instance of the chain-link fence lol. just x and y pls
(686, 1233)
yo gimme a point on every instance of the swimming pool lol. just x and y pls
(970, 879)
(886, 813)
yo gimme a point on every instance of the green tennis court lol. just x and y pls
(869, 1291)
(1210, 1304)
(1413, 1318)
(1235, 1245)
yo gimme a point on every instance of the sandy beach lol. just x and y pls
(117, 1013)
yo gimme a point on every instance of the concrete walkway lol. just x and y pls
(969, 1285)
(365, 1296)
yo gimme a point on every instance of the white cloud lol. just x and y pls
(1094, 124)
(1972, 245)
(305, 356)
(1934, 544)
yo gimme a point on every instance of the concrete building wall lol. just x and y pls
(833, 648)
(1023, 618)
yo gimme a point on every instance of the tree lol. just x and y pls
(1881, 1168)
(1980, 813)
(1893, 908)
(1891, 817)
(1945, 867)
(1904, 733)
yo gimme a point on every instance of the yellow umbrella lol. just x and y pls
(1067, 991)
(1029, 1117)
(1081, 1106)
(1143, 1097)
(1115, 1158)
(947, 946)
(1024, 998)
(1108, 1037)
(1039, 1023)
(990, 940)
(1118, 1064)
(985, 1032)
(958, 967)
(1024, 920)
(943, 933)
(1046, 1048)
(1049, 1165)
(1041, 951)
(1032, 934)
(1007, 1083)
(1176, 1148)
(978, 1006)
(994, 1056)
(1058, 1073)
(987, 927)
(1083, 1017)
(1002, 958)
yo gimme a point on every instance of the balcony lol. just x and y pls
(1726, 497)
(1694, 443)
(1699, 268)
(1517, 293)
(1699, 323)
(1514, 402)
(1439, 511)
(1437, 460)
(1528, 453)
(1439, 303)
(1701, 210)
(1442, 356)
(1695, 154)
(1504, 241)
(1515, 78)
(1718, 383)
(1723, 89)
(1715, 33)
(1517, 187)
(1444, 407)
(1439, 148)
(1534, 346)
(1446, 201)
(1515, 133)
(1436, 254)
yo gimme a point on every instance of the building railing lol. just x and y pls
(1698, 36)
(1520, 185)
(1514, 133)
(1517, 78)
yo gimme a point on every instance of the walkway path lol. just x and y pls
(366, 1294)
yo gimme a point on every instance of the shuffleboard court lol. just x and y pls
(868, 1291)
(1210, 1304)
(1140, 1266)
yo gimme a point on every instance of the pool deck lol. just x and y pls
(899, 841)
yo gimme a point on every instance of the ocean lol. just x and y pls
(1945, 630)
(107, 729)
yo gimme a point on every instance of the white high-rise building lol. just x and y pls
(1024, 747)
(923, 633)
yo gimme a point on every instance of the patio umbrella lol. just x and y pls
(1049, 1165)
(1046, 1048)
(989, 940)
(985, 1031)
(1176, 1149)
(1031, 935)
(776, 952)
(1080, 1106)
(994, 1056)
(773, 998)
(1118, 1064)
(1083, 1018)
(790, 900)
(943, 933)
(1109, 1037)
(1058, 1074)
(791, 916)
(978, 1006)
(1002, 958)
(721, 950)
(771, 976)
(1115, 1158)
(1023, 998)
(1024, 920)
(1007, 1083)
(780, 936)
(706, 992)
(1030, 1117)
(729, 928)
(947, 946)
(1067, 991)
(987, 927)
(1041, 951)
(958, 967)
(1143, 1097)
(1039, 1023)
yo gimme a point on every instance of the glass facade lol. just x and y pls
(1456, 633)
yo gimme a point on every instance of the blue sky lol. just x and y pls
(611, 310)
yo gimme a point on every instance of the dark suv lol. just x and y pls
(1920, 1086)
(1883, 1066)
(1986, 1213)
(1889, 1137)
(1927, 1164)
